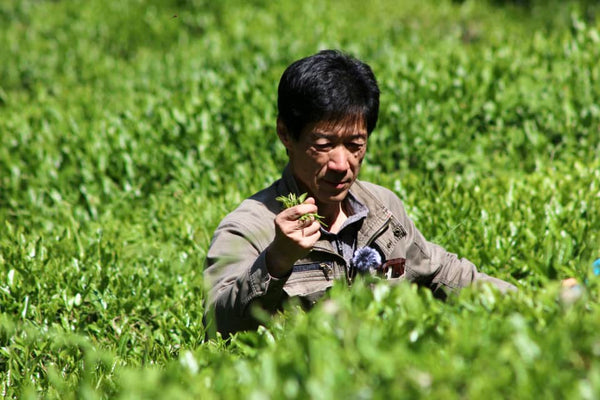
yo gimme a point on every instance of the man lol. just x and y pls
(261, 255)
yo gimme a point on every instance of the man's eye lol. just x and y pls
(323, 146)
(354, 146)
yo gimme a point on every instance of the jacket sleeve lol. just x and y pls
(236, 277)
(443, 271)
(431, 265)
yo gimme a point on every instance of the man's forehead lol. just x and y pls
(351, 125)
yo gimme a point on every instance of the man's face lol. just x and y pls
(326, 158)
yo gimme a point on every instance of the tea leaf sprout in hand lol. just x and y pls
(291, 200)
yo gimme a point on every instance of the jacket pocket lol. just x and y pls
(393, 268)
(309, 278)
(391, 238)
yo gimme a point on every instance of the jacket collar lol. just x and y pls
(377, 218)
(289, 180)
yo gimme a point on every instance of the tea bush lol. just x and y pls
(129, 129)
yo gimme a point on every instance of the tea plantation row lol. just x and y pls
(129, 129)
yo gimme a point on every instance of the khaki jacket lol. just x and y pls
(237, 276)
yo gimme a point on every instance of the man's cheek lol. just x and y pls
(319, 162)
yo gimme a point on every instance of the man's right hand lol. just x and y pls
(294, 238)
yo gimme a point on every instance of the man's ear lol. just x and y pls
(284, 134)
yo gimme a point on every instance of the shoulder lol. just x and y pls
(377, 190)
(385, 196)
(253, 218)
(257, 208)
(380, 200)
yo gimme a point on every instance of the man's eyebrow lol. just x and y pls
(319, 134)
(359, 136)
(327, 135)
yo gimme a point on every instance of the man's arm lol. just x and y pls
(442, 271)
(447, 273)
(236, 274)
(430, 265)
(249, 260)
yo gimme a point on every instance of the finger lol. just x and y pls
(303, 223)
(569, 282)
(310, 200)
(311, 236)
(307, 238)
(296, 212)
(305, 220)
(305, 208)
(311, 229)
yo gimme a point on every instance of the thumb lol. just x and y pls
(310, 200)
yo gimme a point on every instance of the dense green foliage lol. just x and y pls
(128, 129)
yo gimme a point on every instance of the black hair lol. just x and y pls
(329, 85)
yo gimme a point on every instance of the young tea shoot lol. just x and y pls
(291, 200)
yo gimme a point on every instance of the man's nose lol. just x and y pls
(338, 159)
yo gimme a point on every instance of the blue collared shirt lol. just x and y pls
(345, 240)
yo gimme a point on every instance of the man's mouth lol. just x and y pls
(336, 184)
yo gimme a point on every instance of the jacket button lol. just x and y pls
(397, 232)
(327, 270)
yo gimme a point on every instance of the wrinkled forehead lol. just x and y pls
(349, 124)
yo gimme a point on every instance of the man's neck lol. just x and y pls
(335, 215)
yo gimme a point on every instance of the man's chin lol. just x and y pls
(335, 197)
